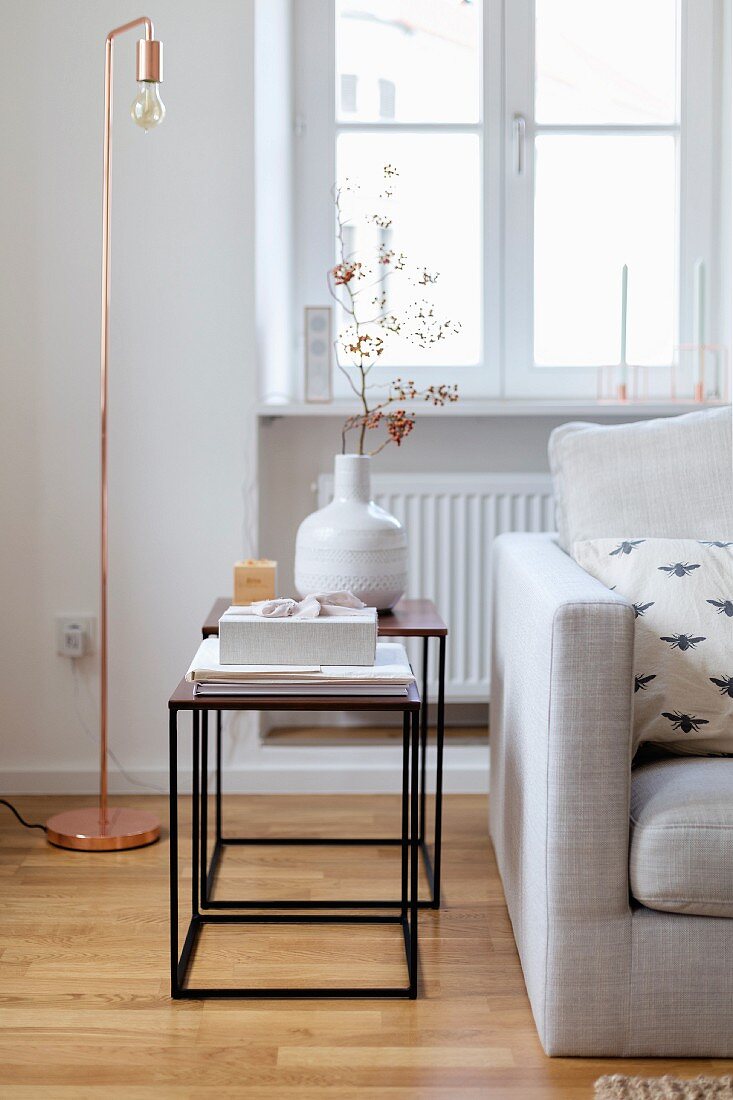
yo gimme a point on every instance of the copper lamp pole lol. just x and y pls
(106, 828)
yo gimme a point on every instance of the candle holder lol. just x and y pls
(623, 382)
(701, 372)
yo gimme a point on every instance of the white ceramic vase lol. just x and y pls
(352, 543)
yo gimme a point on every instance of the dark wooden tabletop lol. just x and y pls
(409, 619)
(412, 619)
(183, 698)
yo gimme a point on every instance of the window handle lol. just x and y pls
(520, 135)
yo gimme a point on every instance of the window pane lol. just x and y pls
(606, 61)
(407, 60)
(435, 215)
(600, 203)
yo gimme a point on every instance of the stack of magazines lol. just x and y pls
(390, 675)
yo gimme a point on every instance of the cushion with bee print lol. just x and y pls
(681, 591)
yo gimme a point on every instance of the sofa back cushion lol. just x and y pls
(669, 478)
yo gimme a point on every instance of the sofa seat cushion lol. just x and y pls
(681, 856)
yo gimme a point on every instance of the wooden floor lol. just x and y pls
(84, 1006)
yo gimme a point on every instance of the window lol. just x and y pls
(542, 145)
(391, 110)
(610, 163)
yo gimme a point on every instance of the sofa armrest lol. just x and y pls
(560, 736)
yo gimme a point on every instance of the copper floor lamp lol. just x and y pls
(111, 828)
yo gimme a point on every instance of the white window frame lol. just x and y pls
(507, 367)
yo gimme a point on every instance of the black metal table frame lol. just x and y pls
(432, 867)
(408, 903)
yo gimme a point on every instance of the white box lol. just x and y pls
(327, 640)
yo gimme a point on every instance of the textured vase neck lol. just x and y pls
(351, 478)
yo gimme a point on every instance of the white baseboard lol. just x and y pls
(465, 772)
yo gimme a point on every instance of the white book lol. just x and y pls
(391, 666)
(302, 690)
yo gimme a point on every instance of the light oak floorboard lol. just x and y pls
(84, 1005)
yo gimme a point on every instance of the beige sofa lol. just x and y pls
(605, 974)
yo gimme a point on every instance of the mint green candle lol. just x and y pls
(624, 309)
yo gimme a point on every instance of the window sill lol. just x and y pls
(499, 407)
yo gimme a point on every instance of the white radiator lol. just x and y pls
(451, 522)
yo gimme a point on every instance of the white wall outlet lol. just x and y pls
(74, 635)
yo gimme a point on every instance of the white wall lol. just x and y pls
(182, 365)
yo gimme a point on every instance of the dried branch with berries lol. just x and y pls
(359, 286)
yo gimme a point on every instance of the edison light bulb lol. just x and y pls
(147, 107)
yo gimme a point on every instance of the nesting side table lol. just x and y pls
(409, 619)
(293, 911)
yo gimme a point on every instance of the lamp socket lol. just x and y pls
(74, 635)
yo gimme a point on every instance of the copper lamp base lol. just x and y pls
(85, 830)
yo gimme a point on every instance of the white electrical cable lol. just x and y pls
(92, 737)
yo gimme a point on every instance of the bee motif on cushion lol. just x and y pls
(725, 607)
(682, 642)
(678, 569)
(640, 608)
(716, 543)
(725, 685)
(626, 547)
(688, 723)
(640, 682)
